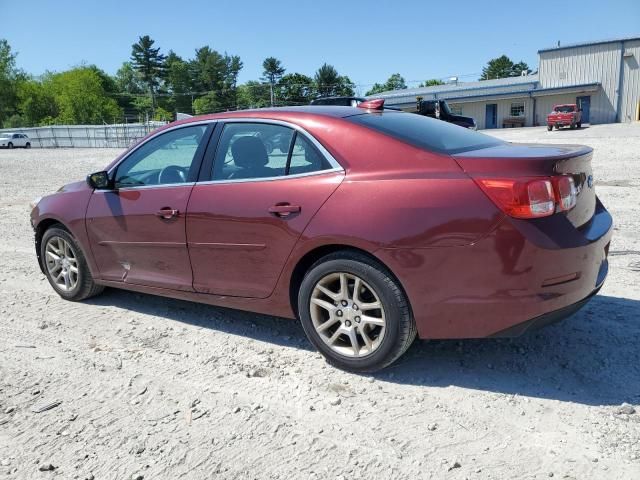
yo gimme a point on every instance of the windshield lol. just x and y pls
(565, 108)
(425, 132)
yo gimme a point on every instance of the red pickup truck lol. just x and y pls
(568, 115)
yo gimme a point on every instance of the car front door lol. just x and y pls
(266, 183)
(137, 230)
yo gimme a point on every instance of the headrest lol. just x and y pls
(249, 152)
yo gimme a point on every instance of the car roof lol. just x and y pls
(335, 111)
(286, 114)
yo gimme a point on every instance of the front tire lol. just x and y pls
(355, 313)
(9, 145)
(549, 128)
(65, 266)
(28, 145)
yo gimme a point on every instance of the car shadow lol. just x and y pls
(591, 358)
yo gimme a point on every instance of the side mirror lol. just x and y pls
(99, 180)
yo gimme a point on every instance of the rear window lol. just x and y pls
(425, 132)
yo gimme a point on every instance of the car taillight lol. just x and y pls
(530, 197)
(566, 191)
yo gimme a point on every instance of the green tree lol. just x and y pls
(233, 66)
(37, 102)
(344, 87)
(10, 77)
(217, 75)
(326, 79)
(253, 94)
(130, 88)
(432, 82)
(272, 73)
(178, 83)
(330, 83)
(295, 89)
(80, 97)
(209, 103)
(208, 69)
(394, 82)
(128, 80)
(149, 63)
(519, 68)
(503, 67)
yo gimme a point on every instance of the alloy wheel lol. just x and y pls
(62, 263)
(347, 314)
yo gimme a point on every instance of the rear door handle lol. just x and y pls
(284, 209)
(167, 213)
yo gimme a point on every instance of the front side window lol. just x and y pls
(424, 132)
(517, 109)
(165, 159)
(260, 150)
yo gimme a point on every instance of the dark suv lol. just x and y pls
(339, 101)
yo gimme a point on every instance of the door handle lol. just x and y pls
(284, 209)
(167, 213)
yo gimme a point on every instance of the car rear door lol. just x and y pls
(137, 230)
(252, 205)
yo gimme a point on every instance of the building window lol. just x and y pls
(517, 109)
(456, 109)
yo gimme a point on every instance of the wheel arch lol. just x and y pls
(312, 256)
(42, 226)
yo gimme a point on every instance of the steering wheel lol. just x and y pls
(172, 174)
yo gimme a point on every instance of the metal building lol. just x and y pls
(602, 77)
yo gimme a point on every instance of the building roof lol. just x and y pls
(464, 89)
(462, 86)
(588, 44)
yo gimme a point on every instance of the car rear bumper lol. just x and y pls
(520, 275)
(545, 319)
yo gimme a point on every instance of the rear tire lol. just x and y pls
(66, 267)
(359, 332)
(579, 124)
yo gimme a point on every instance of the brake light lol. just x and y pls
(521, 197)
(566, 192)
(377, 104)
(531, 197)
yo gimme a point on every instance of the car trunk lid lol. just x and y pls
(535, 160)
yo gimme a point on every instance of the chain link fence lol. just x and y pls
(86, 136)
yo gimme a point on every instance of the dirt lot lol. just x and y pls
(156, 388)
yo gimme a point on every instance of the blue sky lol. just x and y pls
(366, 40)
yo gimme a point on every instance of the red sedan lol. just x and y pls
(368, 225)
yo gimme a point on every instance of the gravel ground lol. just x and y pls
(144, 387)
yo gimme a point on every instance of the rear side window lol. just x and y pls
(424, 132)
(248, 151)
(305, 158)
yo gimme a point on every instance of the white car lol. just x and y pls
(13, 140)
